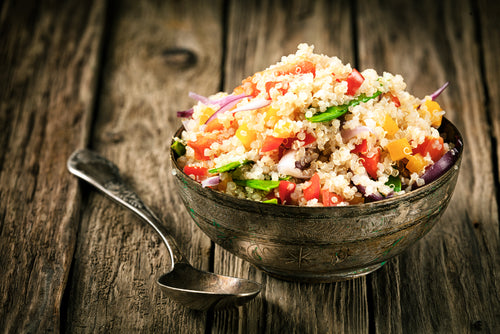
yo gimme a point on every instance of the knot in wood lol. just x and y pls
(180, 57)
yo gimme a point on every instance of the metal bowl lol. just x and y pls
(319, 244)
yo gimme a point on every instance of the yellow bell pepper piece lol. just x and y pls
(416, 163)
(390, 125)
(435, 111)
(205, 115)
(283, 129)
(270, 117)
(399, 149)
(245, 135)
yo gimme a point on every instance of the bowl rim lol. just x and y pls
(371, 206)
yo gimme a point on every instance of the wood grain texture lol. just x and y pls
(488, 31)
(259, 33)
(48, 61)
(435, 286)
(74, 261)
(157, 53)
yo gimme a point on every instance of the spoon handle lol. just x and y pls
(105, 176)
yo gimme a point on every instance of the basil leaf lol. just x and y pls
(266, 185)
(334, 112)
(229, 167)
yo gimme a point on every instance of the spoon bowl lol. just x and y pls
(219, 291)
(193, 288)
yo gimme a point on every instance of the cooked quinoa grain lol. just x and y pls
(311, 131)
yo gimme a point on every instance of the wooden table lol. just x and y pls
(110, 75)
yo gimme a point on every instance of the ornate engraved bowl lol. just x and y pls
(319, 244)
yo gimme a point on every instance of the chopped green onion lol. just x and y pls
(334, 112)
(394, 182)
(229, 167)
(271, 201)
(179, 148)
(266, 185)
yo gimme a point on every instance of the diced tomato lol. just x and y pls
(271, 143)
(286, 188)
(198, 172)
(432, 146)
(309, 139)
(287, 142)
(370, 161)
(283, 144)
(436, 148)
(361, 148)
(354, 81)
(213, 125)
(313, 190)
(247, 87)
(420, 149)
(395, 100)
(330, 199)
(299, 68)
(283, 89)
(269, 85)
(199, 145)
(281, 151)
(305, 67)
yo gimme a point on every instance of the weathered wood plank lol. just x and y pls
(48, 62)
(272, 29)
(436, 285)
(157, 53)
(268, 31)
(489, 32)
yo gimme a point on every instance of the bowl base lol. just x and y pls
(322, 278)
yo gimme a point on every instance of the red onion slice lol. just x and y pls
(253, 105)
(226, 104)
(229, 99)
(222, 102)
(187, 125)
(349, 133)
(439, 91)
(286, 166)
(200, 98)
(440, 167)
(188, 113)
(185, 113)
(373, 197)
(211, 181)
(205, 100)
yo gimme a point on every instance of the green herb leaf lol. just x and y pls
(266, 185)
(334, 112)
(229, 167)
(179, 148)
(394, 182)
(271, 201)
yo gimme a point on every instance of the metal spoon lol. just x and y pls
(196, 289)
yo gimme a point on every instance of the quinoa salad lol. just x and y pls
(312, 131)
